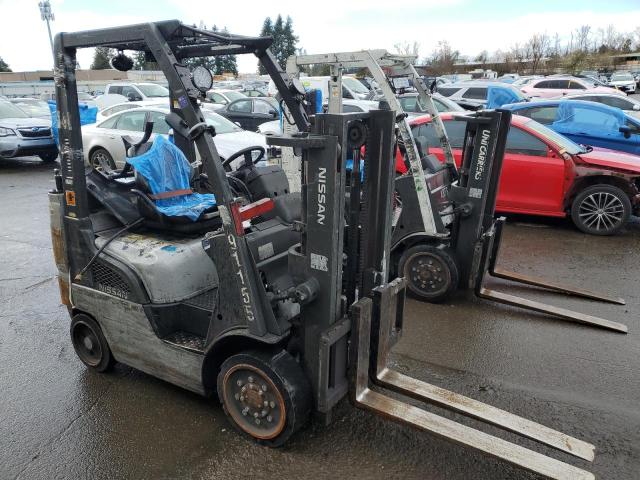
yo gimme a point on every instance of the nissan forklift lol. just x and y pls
(439, 227)
(226, 283)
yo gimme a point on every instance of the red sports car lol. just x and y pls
(547, 174)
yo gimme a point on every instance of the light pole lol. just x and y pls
(47, 15)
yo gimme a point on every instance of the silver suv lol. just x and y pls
(472, 94)
(21, 135)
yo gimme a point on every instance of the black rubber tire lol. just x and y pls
(48, 157)
(277, 372)
(108, 158)
(98, 357)
(585, 208)
(441, 258)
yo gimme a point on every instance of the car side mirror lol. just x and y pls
(626, 131)
(636, 107)
(273, 113)
(133, 97)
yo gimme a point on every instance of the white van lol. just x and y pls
(352, 88)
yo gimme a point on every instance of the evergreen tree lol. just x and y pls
(284, 40)
(267, 31)
(4, 67)
(278, 39)
(140, 62)
(289, 41)
(101, 58)
(228, 63)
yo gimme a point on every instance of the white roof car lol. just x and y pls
(103, 143)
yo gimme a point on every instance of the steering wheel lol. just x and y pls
(248, 157)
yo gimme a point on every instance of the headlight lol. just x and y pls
(6, 132)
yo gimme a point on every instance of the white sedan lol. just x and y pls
(103, 143)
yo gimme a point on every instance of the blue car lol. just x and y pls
(586, 123)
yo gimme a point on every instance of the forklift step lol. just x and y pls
(186, 340)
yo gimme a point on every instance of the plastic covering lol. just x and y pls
(498, 96)
(87, 115)
(166, 169)
(588, 118)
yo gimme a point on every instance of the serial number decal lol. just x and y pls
(244, 290)
(319, 262)
(482, 157)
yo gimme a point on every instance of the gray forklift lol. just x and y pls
(445, 238)
(252, 292)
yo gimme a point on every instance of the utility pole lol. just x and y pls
(47, 15)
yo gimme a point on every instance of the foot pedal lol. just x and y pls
(186, 340)
(374, 365)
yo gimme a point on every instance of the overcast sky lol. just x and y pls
(328, 25)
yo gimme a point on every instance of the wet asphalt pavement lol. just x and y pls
(60, 421)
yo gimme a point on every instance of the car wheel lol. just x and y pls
(48, 157)
(101, 159)
(431, 272)
(265, 395)
(601, 210)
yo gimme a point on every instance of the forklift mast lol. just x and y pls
(376, 61)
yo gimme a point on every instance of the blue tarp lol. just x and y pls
(166, 169)
(87, 115)
(498, 95)
(588, 118)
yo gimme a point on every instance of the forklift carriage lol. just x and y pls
(279, 302)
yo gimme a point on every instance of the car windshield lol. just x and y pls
(153, 91)
(221, 124)
(9, 110)
(563, 142)
(621, 76)
(33, 108)
(232, 96)
(354, 85)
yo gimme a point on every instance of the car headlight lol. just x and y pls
(6, 132)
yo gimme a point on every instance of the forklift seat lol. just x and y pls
(162, 180)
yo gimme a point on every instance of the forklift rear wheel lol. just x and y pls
(430, 271)
(266, 396)
(89, 343)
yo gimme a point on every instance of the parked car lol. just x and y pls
(624, 81)
(547, 174)
(589, 123)
(251, 112)
(629, 105)
(472, 95)
(21, 135)
(219, 98)
(525, 80)
(136, 92)
(103, 141)
(555, 86)
(410, 104)
(33, 107)
(351, 87)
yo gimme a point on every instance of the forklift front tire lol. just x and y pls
(89, 343)
(431, 272)
(265, 395)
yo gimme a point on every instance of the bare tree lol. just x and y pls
(406, 48)
(537, 50)
(444, 58)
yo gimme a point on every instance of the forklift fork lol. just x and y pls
(490, 252)
(377, 323)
